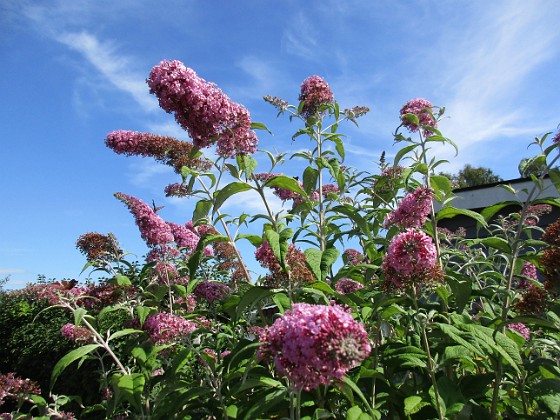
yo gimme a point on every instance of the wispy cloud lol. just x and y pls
(487, 68)
(115, 67)
(148, 173)
(8, 271)
(250, 202)
(300, 38)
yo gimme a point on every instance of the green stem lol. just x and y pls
(226, 230)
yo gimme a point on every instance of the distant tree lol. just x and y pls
(470, 176)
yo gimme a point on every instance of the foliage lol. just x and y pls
(369, 310)
(471, 176)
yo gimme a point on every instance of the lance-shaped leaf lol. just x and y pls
(228, 191)
(286, 182)
(69, 358)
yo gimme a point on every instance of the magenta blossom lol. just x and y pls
(413, 209)
(76, 334)
(168, 328)
(353, 256)
(521, 329)
(153, 229)
(202, 109)
(211, 291)
(345, 286)
(418, 107)
(314, 344)
(314, 93)
(411, 258)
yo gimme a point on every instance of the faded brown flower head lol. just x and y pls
(533, 301)
(552, 234)
(97, 246)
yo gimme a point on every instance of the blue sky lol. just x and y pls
(74, 70)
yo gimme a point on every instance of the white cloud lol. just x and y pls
(147, 173)
(250, 202)
(116, 68)
(300, 38)
(488, 67)
(9, 271)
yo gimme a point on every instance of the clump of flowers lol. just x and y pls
(556, 138)
(176, 190)
(535, 212)
(551, 234)
(167, 150)
(315, 92)
(211, 291)
(411, 259)
(202, 109)
(413, 210)
(168, 328)
(314, 344)
(345, 286)
(528, 271)
(153, 229)
(295, 259)
(533, 300)
(97, 246)
(77, 334)
(13, 387)
(388, 180)
(352, 256)
(521, 329)
(422, 108)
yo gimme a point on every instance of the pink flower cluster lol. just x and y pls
(353, 256)
(76, 334)
(345, 286)
(418, 107)
(556, 138)
(300, 274)
(314, 92)
(411, 259)
(167, 328)
(202, 109)
(153, 228)
(314, 344)
(413, 210)
(12, 386)
(521, 329)
(211, 291)
(528, 270)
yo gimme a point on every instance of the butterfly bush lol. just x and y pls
(411, 259)
(211, 291)
(153, 229)
(353, 256)
(315, 92)
(314, 344)
(77, 334)
(418, 107)
(413, 210)
(202, 109)
(521, 329)
(345, 286)
(166, 328)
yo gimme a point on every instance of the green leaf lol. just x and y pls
(441, 185)
(122, 280)
(286, 182)
(125, 332)
(555, 178)
(78, 315)
(310, 176)
(401, 153)
(69, 358)
(495, 242)
(449, 212)
(489, 212)
(228, 191)
(413, 404)
(255, 240)
(251, 297)
(263, 405)
(356, 217)
(129, 387)
(547, 394)
(259, 126)
(201, 210)
(328, 258)
(313, 259)
(461, 292)
(359, 393)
